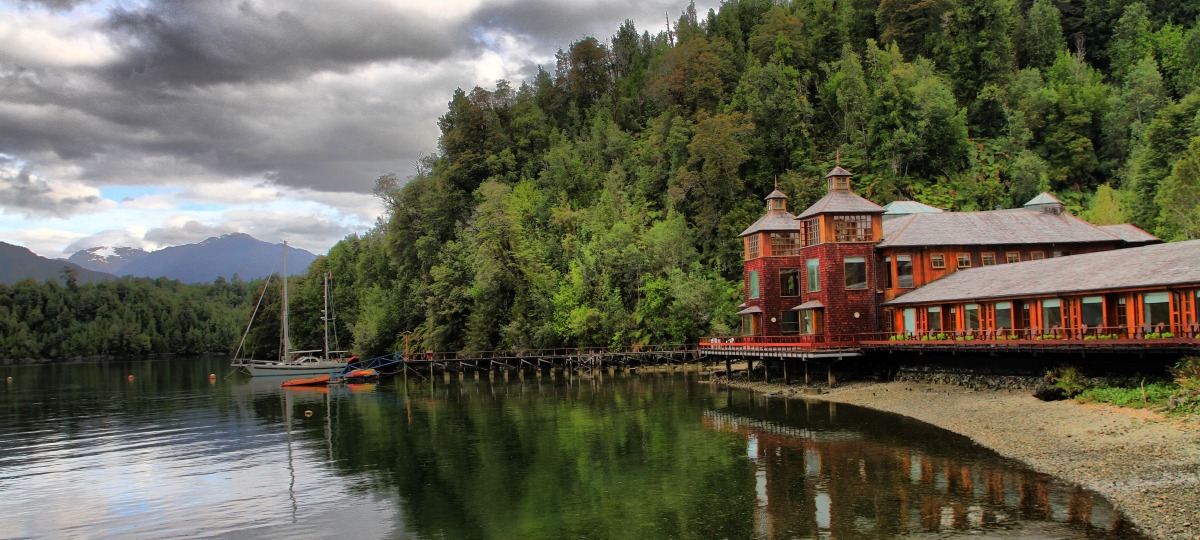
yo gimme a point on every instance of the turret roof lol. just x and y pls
(841, 202)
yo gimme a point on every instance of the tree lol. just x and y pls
(975, 47)
(1041, 35)
(1133, 40)
(1106, 207)
(1179, 197)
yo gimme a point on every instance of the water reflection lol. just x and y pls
(86, 452)
(824, 469)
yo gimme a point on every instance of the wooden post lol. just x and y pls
(832, 379)
(807, 379)
(728, 368)
(787, 373)
(766, 370)
(749, 367)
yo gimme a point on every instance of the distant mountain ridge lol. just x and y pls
(18, 263)
(222, 256)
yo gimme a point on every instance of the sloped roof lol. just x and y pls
(775, 195)
(1131, 234)
(775, 220)
(896, 208)
(837, 202)
(749, 311)
(1044, 198)
(1158, 265)
(811, 304)
(838, 171)
(991, 227)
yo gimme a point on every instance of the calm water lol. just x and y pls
(85, 452)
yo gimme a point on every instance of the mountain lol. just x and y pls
(106, 259)
(221, 256)
(17, 263)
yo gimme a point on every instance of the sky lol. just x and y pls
(153, 123)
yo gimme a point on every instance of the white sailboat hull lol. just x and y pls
(267, 368)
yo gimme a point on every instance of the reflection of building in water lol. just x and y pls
(841, 484)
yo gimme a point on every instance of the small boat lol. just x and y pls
(360, 376)
(320, 380)
(291, 363)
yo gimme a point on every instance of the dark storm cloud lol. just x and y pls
(55, 5)
(196, 43)
(21, 191)
(557, 24)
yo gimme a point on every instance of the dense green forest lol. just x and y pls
(599, 203)
(124, 317)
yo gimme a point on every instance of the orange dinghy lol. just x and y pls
(320, 380)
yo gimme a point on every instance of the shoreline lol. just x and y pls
(1147, 465)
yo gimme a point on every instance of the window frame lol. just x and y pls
(1012, 257)
(959, 258)
(812, 275)
(911, 277)
(753, 249)
(1037, 255)
(849, 228)
(783, 282)
(753, 286)
(785, 244)
(810, 231)
(937, 260)
(985, 257)
(785, 324)
(860, 285)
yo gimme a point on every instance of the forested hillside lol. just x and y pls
(599, 203)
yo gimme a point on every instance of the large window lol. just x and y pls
(1051, 313)
(935, 318)
(750, 325)
(1091, 311)
(971, 317)
(910, 320)
(785, 244)
(1004, 316)
(1158, 309)
(789, 282)
(810, 230)
(789, 322)
(1122, 315)
(752, 249)
(813, 269)
(852, 229)
(810, 322)
(754, 284)
(856, 273)
(904, 271)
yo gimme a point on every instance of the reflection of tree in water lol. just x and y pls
(829, 469)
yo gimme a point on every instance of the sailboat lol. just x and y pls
(293, 363)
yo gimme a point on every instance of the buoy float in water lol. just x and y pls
(308, 414)
(9, 379)
(131, 377)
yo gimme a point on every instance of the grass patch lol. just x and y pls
(1158, 395)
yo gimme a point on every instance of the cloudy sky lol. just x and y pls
(151, 123)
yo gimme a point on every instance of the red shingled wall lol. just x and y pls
(768, 288)
(841, 304)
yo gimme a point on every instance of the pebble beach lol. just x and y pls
(1146, 464)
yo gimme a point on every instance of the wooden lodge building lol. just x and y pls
(846, 275)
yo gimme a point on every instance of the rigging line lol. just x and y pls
(252, 315)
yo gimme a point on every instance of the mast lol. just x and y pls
(285, 338)
(325, 315)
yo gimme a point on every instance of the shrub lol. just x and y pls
(1068, 379)
(1187, 374)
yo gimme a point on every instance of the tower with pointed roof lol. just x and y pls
(771, 268)
(837, 245)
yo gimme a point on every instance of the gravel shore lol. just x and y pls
(1147, 465)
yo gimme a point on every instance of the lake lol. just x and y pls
(85, 451)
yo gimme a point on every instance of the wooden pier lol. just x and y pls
(575, 360)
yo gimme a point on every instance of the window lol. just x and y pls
(785, 244)
(789, 282)
(1051, 313)
(852, 229)
(1158, 309)
(1122, 315)
(1004, 317)
(856, 273)
(964, 260)
(971, 317)
(1060, 253)
(1091, 311)
(1012, 257)
(935, 318)
(910, 320)
(752, 250)
(813, 267)
(750, 325)
(937, 260)
(1036, 255)
(887, 273)
(810, 322)
(789, 322)
(904, 271)
(988, 259)
(810, 231)
(754, 284)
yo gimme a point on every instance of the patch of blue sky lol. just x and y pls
(120, 193)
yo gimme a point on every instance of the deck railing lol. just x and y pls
(1160, 332)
